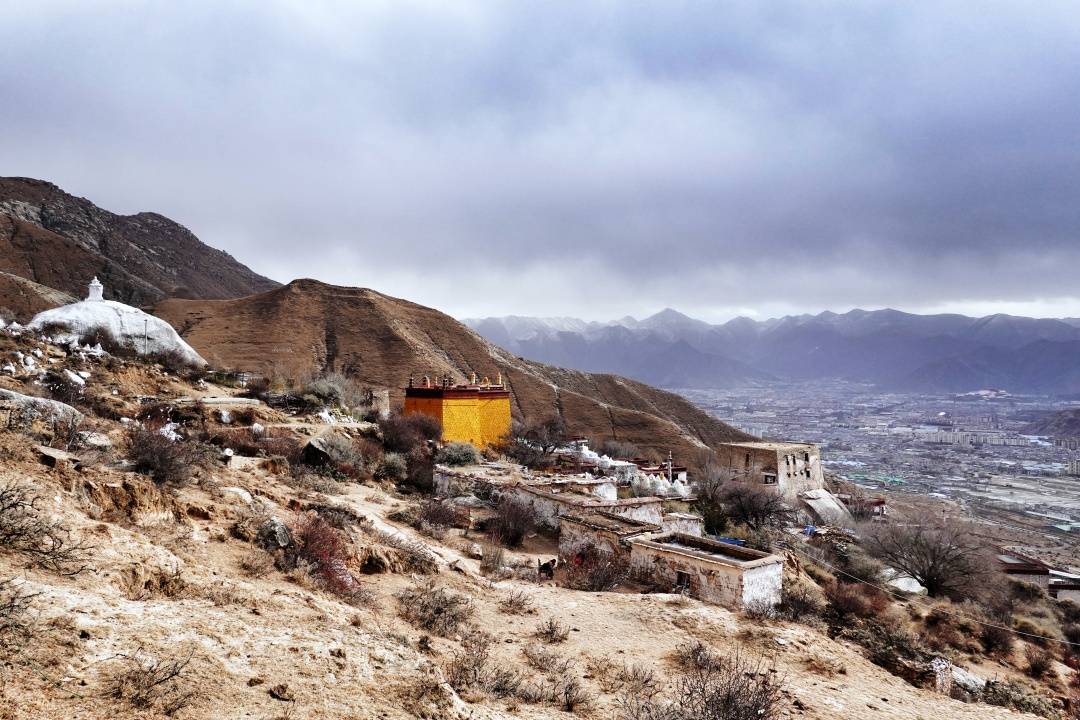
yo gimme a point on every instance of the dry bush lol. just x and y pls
(434, 513)
(138, 583)
(1040, 662)
(471, 667)
(570, 694)
(430, 607)
(16, 627)
(594, 569)
(850, 600)
(404, 433)
(546, 661)
(167, 462)
(996, 639)
(257, 563)
(799, 600)
(1033, 632)
(638, 680)
(1025, 592)
(736, 687)
(393, 467)
(45, 543)
(491, 558)
(322, 546)
(457, 453)
(552, 631)
(517, 603)
(514, 520)
(150, 683)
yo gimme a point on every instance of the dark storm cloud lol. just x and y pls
(596, 159)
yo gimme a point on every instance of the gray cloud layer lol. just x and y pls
(591, 159)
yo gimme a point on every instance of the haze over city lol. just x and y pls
(593, 160)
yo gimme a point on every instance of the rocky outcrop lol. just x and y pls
(61, 241)
(26, 414)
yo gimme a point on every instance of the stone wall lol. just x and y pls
(731, 584)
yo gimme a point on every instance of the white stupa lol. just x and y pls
(147, 334)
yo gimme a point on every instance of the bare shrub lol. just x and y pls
(157, 683)
(403, 433)
(457, 453)
(323, 547)
(594, 569)
(570, 694)
(517, 603)
(946, 557)
(469, 665)
(434, 513)
(514, 520)
(257, 563)
(15, 624)
(546, 661)
(799, 599)
(335, 388)
(552, 631)
(24, 529)
(491, 558)
(1040, 663)
(852, 600)
(430, 607)
(392, 467)
(637, 680)
(996, 639)
(101, 335)
(620, 450)
(166, 461)
(735, 687)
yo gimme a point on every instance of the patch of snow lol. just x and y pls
(169, 430)
(226, 417)
(257, 429)
(9, 368)
(84, 374)
(78, 380)
(228, 452)
(326, 417)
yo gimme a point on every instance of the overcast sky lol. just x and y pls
(587, 159)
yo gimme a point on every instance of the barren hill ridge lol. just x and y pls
(62, 241)
(308, 326)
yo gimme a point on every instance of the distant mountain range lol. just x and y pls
(892, 349)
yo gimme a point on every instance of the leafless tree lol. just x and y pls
(755, 507)
(944, 556)
(549, 435)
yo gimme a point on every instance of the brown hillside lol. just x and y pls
(62, 241)
(25, 298)
(308, 326)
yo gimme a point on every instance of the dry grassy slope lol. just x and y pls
(249, 634)
(25, 298)
(308, 326)
(59, 240)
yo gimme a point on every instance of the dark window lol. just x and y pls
(682, 580)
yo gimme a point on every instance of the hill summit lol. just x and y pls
(307, 327)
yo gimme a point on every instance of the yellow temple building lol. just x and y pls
(477, 412)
